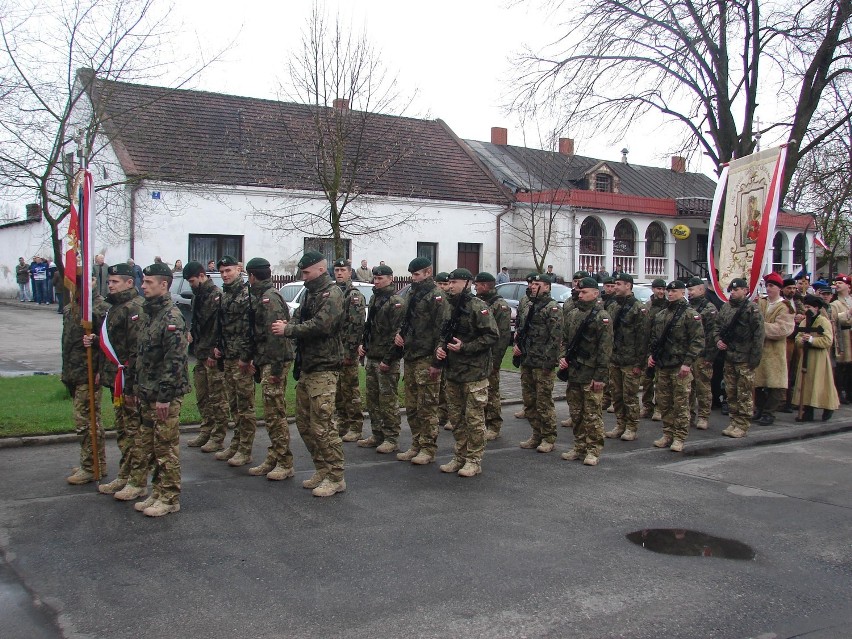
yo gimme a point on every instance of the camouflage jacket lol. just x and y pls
(745, 337)
(590, 361)
(75, 367)
(709, 317)
(685, 340)
(354, 313)
(427, 309)
(161, 373)
(502, 315)
(122, 324)
(233, 314)
(541, 343)
(316, 326)
(478, 333)
(384, 318)
(268, 307)
(654, 306)
(629, 331)
(206, 301)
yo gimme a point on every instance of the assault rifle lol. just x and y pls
(451, 326)
(252, 318)
(304, 316)
(658, 344)
(523, 334)
(728, 332)
(396, 352)
(220, 337)
(571, 350)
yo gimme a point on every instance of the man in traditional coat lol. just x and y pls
(770, 378)
(814, 382)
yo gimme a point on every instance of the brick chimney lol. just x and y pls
(341, 104)
(499, 135)
(678, 164)
(566, 146)
(33, 212)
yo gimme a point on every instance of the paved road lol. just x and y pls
(29, 338)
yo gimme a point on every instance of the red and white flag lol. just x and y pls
(820, 242)
(86, 235)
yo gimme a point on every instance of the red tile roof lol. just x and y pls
(606, 201)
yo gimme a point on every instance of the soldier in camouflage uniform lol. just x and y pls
(442, 280)
(425, 314)
(502, 314)
(160, 379)
(75, 376)
(465, 351)
(118, 336)
(677, 340)
(630, 348)
(701, 396)
(741, 334)
(271, 359)
(587, 336)
(540, 321)
(350, 414)
(384, 318)
(657, 303)
(607, 296)
(210, 393)
(567, 307)
(235, 349)
(316, 327)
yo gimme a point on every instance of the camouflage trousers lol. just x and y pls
(275, 415)
(587, 418)
(134, 463)
(494, 409)
(701, 397)
(466, 410)
(421, 405)
(314, 411)
(212, 400)
(383, 401)
(442, 401)
(739, 386)
(160, 443)
(624, 385)
(648, 395)
(673, 401)
(240, 390)
(350, 413)
(537, 391)
(82, 427)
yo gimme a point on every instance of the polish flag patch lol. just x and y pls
(133, 318)
(265, 300)
(484, 311)
(171, 327)
(697, 318)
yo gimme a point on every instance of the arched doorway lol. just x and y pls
(779, 264)
(592, 258)
(656, 262)
(800, 250)
(624, 248)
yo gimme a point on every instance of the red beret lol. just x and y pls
(774, 278)
(840, 277)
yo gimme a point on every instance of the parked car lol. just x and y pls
(182, 294)
(294, 292)
(513, 292)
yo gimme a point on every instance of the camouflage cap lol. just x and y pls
(484, 276)
(675, 285)
(737, 282)
(382, 269)
(658, 283)
(694, 281)
(122, 269)
(418, 264)
(588, 282)
(257, 262)
(443, 276)
(227, 260)
(341, 263)
(624, 277)
(580, 275)
(461, 274)
(192, 269)
(310, 258)
(158, 269)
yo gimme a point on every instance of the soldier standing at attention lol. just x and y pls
(701, 397)
(316, 326)
(350, 414)
(271, 357)
(442, 279)
(567, 307)
(421, 330)
(502, 314)
(741, 336)
(587, 335)
(537, 346)
(677, 340)
(654, 305)
(75, 376)
(234, 348)
(160, 380)
(210, 394)
(465, 349)
(117, 340)
(770, 378)
(384, 318)
(627, 365)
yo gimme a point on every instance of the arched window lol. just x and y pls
(591, 237)
(778, 265)
(625, 239)
(655, 240)
(800, 245)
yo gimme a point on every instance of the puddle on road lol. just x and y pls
(690, 543)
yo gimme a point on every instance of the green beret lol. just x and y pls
(737, 282)
(461, 274)
(588, 282)
(580, 275)
(540, 277)
(227, 260)
(443, 276)
(341, 263)
(658, 283)
(382, 269)
(418, 264)
(158, 269)
(675, 285)
(484, 277)
(531, 276)
(257, 262)
(694, 281)
(624, 277)
(192, 269)
(122, 268)
(608, 280)
(310, 258)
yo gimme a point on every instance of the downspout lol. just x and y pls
(499, 264)
(132, 234)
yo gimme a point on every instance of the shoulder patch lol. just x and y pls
(397, 305)
(554, 308)
(643, 310)
(217, 298)
(439, 298)
(171, 328)
(133, 318)
(326, 294)
(605, 320)
(484, 311)
(697, 318)
(265, 300)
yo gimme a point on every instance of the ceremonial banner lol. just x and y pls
(86, 208)
(71, 253)
(750, 187)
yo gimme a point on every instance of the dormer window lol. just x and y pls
(603, 183)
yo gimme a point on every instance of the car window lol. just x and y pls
(560, 292)
(290, 291)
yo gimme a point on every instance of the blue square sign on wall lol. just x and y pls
(155, 195)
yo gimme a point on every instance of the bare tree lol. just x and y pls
(703, 65)
(346, 147)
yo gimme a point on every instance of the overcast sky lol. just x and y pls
(455, 53)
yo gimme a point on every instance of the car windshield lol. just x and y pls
(290, 291)
(560, 292)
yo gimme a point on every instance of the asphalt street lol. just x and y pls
(30, 338)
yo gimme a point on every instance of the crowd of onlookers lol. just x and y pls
(39, 281)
